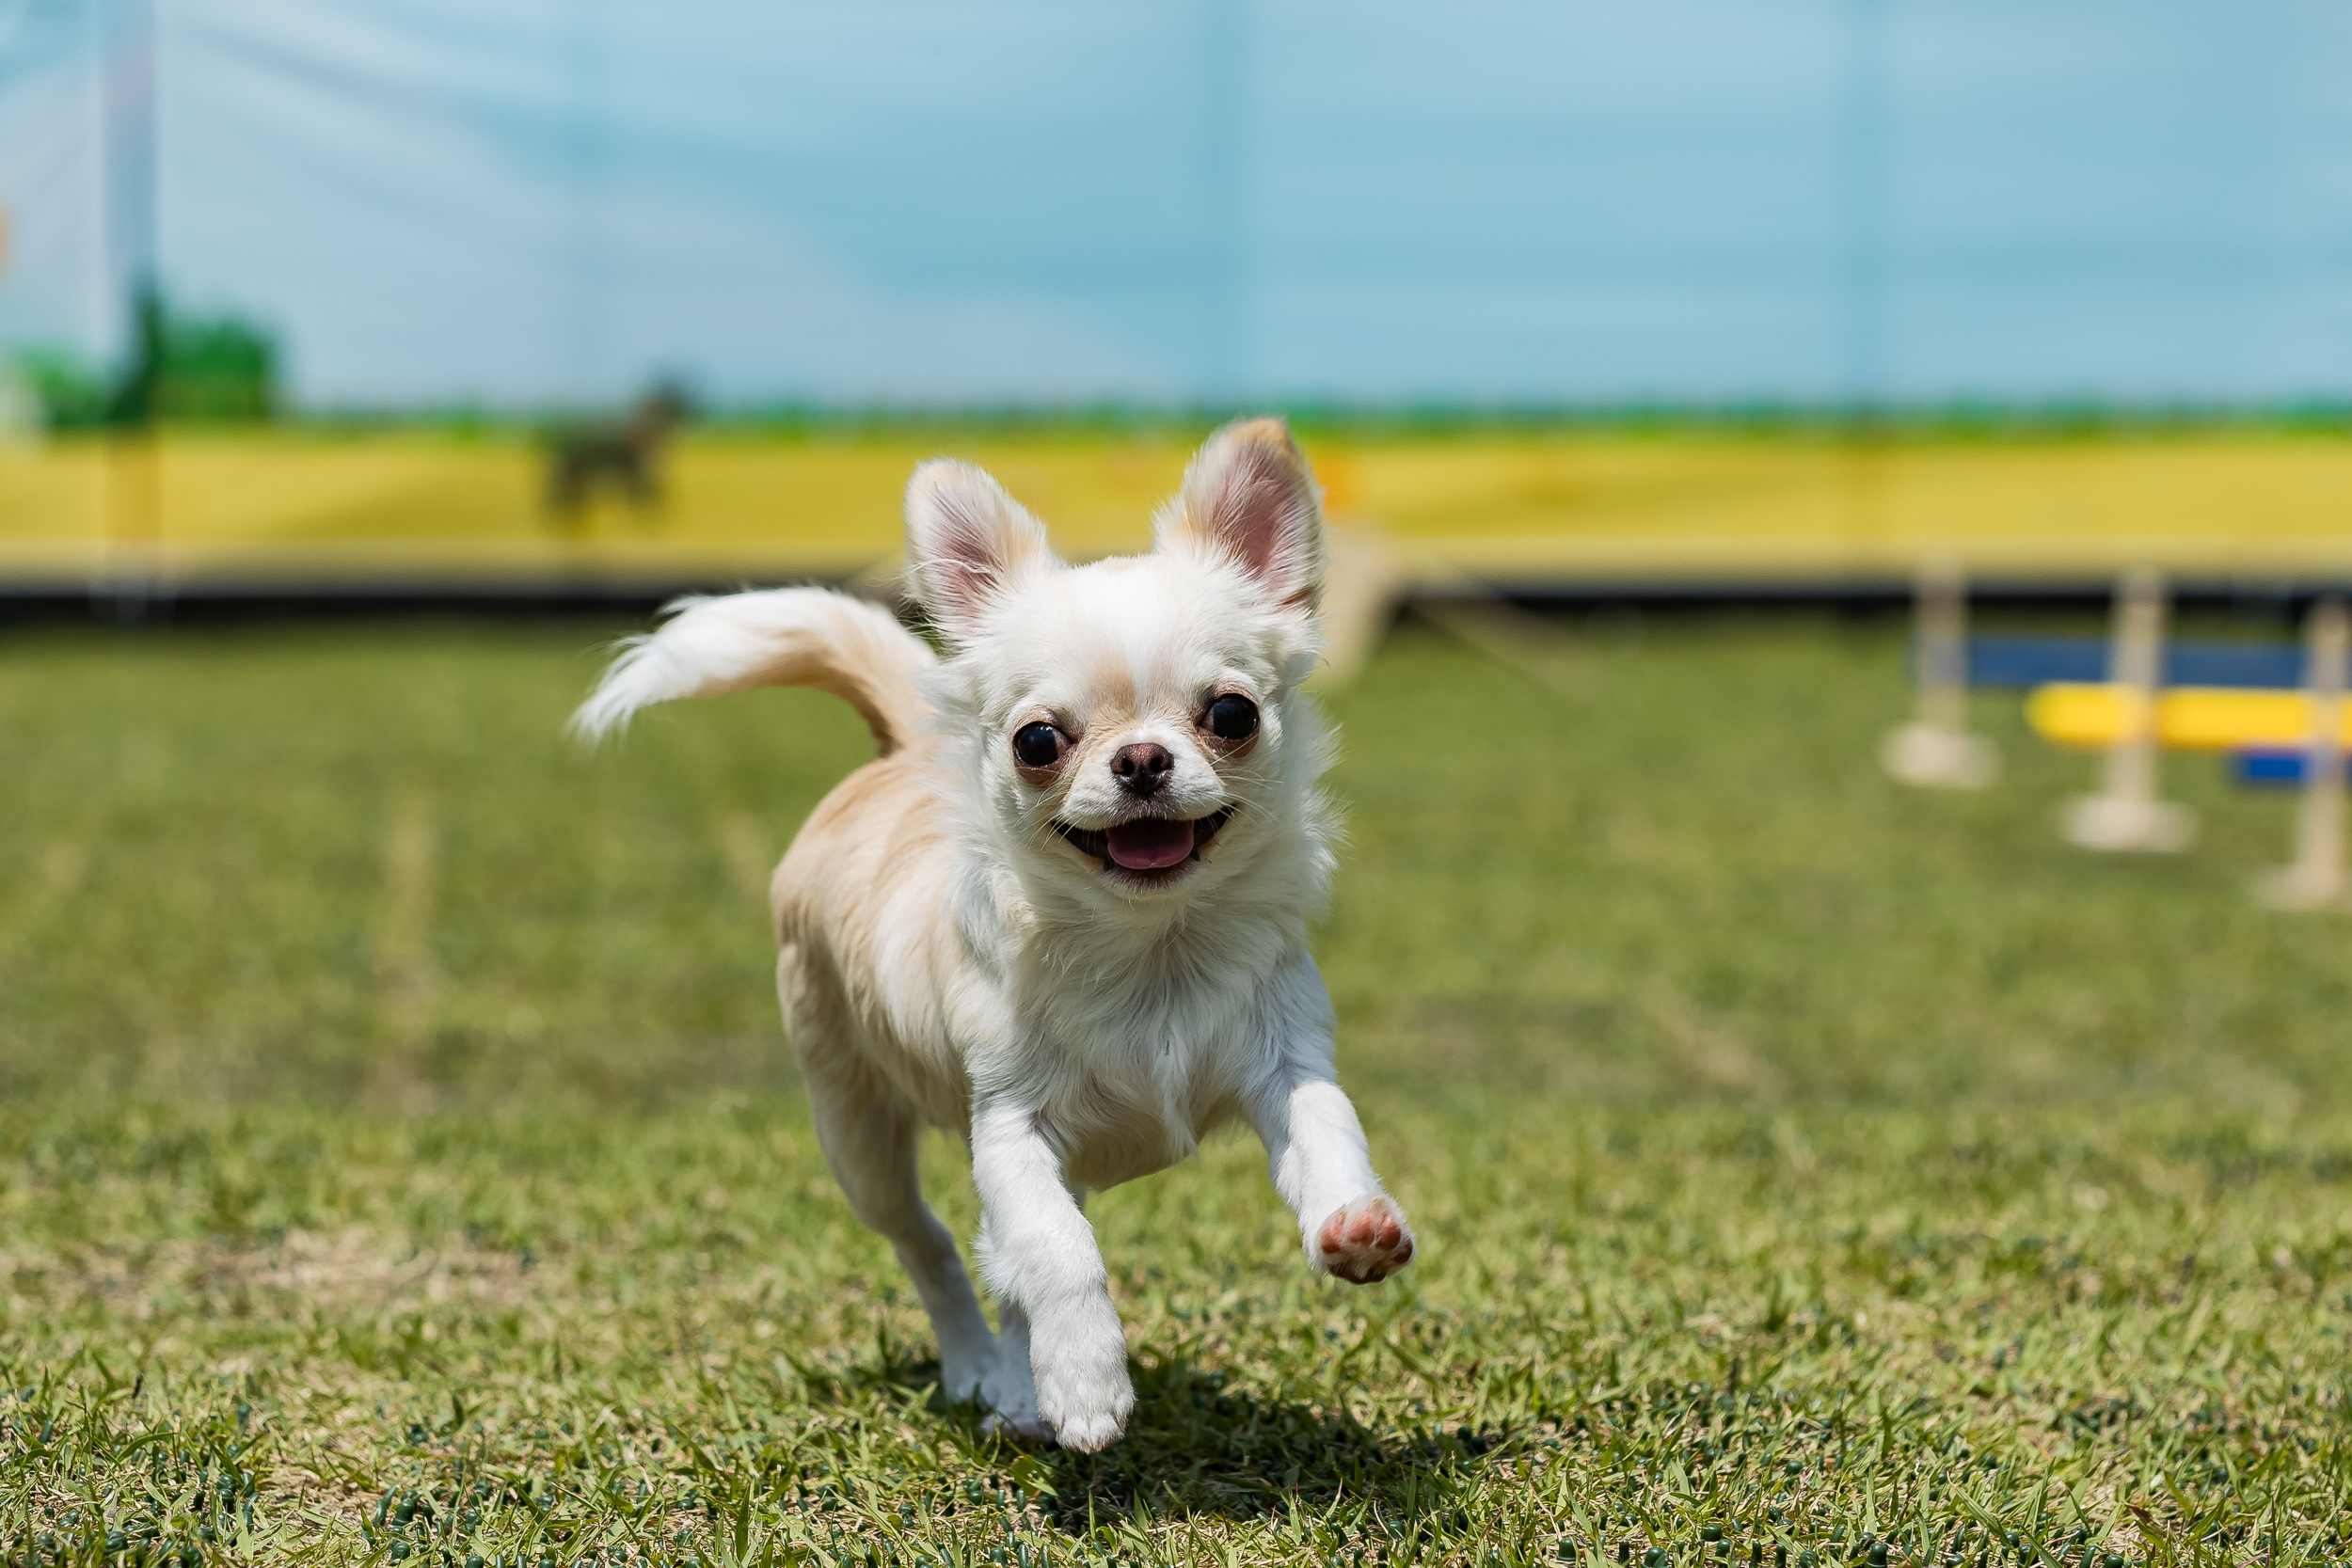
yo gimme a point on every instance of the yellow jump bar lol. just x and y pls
(2188, 717)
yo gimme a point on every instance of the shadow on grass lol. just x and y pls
(1198, 1446)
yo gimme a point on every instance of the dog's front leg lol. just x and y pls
(1316, 1154)
(1039, 1254)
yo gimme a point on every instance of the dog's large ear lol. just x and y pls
(966, 540)
(1249, 496)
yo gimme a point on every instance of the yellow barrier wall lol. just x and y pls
(1562, 507)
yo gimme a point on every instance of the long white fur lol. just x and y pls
(946, 957)
(775, 637)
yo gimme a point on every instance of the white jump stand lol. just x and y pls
(2120, 826)
(1932, 755)
(1935, 751)
(2125, 816)
(2315, 880)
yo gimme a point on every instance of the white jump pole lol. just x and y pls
(2315, 880)
(1935, 751)
(2125, 816)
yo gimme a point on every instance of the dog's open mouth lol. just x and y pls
(1149, 848)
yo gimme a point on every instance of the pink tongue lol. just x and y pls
(1151, 844)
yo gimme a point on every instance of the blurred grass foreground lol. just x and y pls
(402, 1163)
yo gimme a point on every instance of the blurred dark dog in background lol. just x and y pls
(621, 457)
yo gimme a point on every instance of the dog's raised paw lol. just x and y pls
(1365, 1242)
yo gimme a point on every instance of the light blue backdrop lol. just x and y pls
(530, 201)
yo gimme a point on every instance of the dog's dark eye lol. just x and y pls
(1232, 717)
(1037, 745)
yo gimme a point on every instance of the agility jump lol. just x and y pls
(2279, 713)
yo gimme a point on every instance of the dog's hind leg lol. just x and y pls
(868, 1132)
(1011, 1390)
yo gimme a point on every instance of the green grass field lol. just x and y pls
(402, 1163)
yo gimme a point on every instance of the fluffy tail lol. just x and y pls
(778, 637)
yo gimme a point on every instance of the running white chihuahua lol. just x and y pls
(1064, 913)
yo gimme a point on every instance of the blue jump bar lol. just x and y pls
(2026, 661)
(2266, 770)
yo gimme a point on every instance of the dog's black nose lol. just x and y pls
(1141, 768)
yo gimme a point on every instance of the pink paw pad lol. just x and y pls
(1366, 1242)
